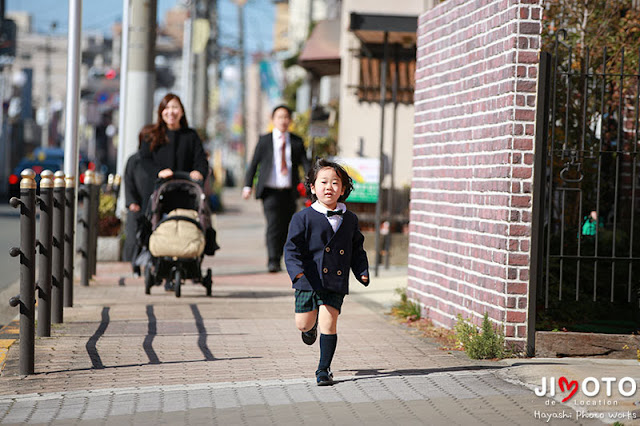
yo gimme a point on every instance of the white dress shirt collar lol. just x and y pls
(336, 220)
(277, 134)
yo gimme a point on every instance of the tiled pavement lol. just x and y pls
(236, 358)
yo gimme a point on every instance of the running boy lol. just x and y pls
(324, 242)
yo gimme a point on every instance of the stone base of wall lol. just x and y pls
(569, 344)
(108, 249)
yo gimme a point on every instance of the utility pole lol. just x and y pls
(122, 111)
(243, 80)
(5, 165)
(187, 56)
(213, 61)
(47, 100)
(71, 147)
(140, 71)
(200, 40)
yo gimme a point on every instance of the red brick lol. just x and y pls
(519, 230)
(516, 316)
(521, 201)
(522, 172)
(518, 259)
(516, 288)
(523, 144)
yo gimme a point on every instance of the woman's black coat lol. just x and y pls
(183, 152)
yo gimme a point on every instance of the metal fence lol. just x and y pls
(587, 269)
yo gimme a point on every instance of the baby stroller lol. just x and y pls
(178, 234)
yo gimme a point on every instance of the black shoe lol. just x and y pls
(309, 337)
(168, 286)
(136, 271)
(324, 377)
(274, 267)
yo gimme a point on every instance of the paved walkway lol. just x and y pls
(236, 357)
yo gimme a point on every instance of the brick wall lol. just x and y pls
(470, 221)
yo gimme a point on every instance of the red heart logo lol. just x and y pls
(570, 385)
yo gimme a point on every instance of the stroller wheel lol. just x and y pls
(177, 282)
(208, 282)
(148, 280)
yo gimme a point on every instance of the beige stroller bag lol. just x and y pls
(179, 238)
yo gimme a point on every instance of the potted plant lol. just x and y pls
(109, 225)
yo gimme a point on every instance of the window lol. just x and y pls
(401, 62)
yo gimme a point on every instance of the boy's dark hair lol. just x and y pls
(321, 163)
(273, 112)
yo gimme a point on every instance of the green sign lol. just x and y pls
(365, 192)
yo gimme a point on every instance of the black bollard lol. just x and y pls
(27, 252)
(45, 201)
(84, 221)
(94, 194)
(57, 258)
(69, 237)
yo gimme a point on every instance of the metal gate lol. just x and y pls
(585, 237)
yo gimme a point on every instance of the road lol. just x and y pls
(9, 266)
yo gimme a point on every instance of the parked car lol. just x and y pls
(43, 159)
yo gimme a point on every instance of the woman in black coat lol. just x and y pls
(171, 145)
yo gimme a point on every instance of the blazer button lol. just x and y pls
(327, 249)
(341, 251)
(325, 270)
(339, 272)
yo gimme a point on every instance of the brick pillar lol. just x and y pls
(475, 98)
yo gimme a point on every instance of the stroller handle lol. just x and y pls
(179, 175)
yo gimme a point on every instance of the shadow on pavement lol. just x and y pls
(519, 364)
(254, 294)
(96, 360)
(92, 350)
(142, 364)
(418, 372)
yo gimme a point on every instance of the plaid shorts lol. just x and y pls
(310, 300)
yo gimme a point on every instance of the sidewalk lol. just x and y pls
(237, 358)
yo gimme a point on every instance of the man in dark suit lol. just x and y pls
(279, 156)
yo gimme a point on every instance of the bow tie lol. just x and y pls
(334, 212)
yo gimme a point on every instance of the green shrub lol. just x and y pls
(485, 343)
(405, 308)
(108, 223)
(107, 205)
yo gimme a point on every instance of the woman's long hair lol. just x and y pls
(156, 133)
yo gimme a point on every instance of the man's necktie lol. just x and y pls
(334, 212)
(283, 159)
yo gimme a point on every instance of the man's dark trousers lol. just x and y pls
(279, 205)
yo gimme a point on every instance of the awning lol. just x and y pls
(370, 29)
(321, 52)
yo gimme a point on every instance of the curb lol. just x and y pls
(8, 336)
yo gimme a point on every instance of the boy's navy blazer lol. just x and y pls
(323, 256)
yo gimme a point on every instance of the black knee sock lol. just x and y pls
(328, 344)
